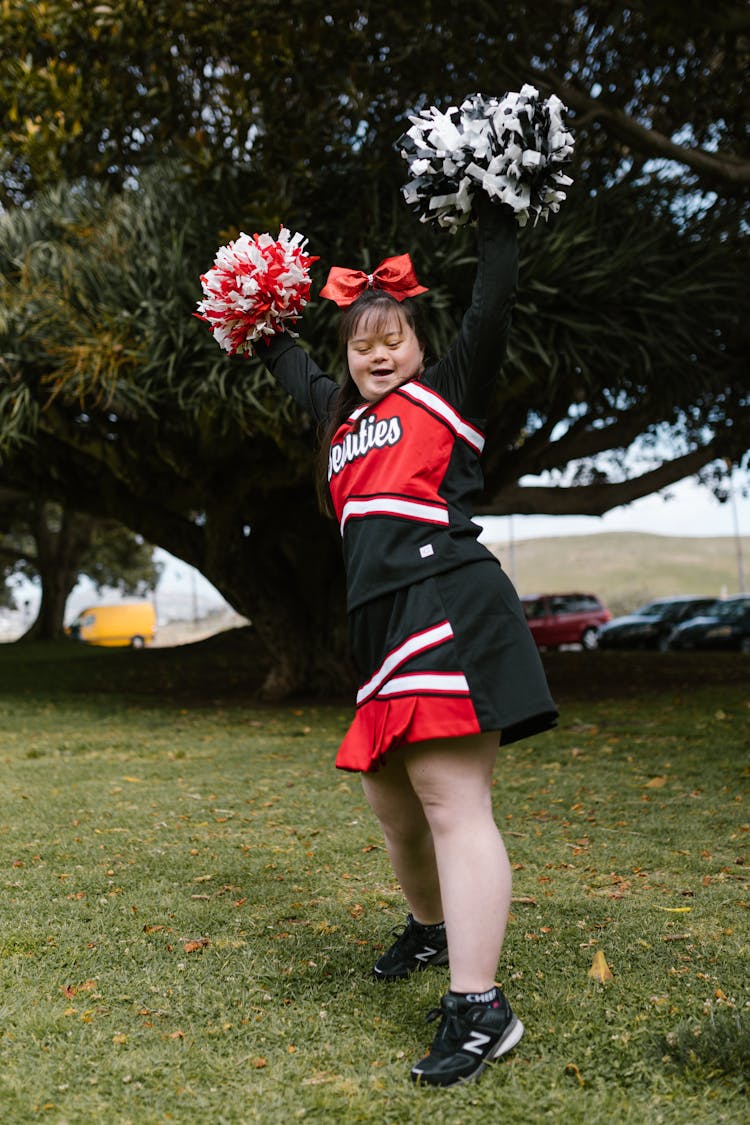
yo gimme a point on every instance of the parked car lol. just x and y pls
(565, 619)
(651, 624)
(125, 624)
(725, 625)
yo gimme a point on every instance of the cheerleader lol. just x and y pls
(447, 668)
(446, 664)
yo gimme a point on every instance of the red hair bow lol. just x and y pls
(394, 276)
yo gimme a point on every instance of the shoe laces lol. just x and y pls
(450, 1034)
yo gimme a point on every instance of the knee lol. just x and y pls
(411, 833)
(448, 812)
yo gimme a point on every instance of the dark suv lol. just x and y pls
(565, 619)
(651, 625)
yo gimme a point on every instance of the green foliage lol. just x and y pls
(197, 898)
(102, 89)
(135, 138)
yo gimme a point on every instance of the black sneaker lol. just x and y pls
(470, 1035)
(415, 948)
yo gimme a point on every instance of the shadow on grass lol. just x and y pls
(719, 1046)
(231, 666)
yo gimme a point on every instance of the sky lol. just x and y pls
(691, 510)
(684, 509)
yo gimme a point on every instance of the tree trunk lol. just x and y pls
(60, 538)
(287, 577)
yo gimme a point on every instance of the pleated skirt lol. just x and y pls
(447, 657)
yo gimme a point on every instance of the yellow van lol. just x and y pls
(130, 624)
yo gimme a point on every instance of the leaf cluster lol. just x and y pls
(307, 98)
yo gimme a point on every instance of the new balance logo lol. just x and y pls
(476, 1043)
(426, 954)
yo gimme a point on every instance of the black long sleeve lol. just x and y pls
(299, 375)
(467, 374)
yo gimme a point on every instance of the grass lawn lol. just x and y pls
(192, 898)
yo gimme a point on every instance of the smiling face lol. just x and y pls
(383, 352)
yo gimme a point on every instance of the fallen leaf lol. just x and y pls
(655, 783)
(259, 1063)
(600, 970)
(194, 946)
(571, 1068)
(119, 1039)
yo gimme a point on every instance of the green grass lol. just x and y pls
(147, 805)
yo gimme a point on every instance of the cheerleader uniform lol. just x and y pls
(439, 638)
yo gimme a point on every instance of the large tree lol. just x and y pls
(627, 335)
(53, 546)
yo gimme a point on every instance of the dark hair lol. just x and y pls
(377, 307)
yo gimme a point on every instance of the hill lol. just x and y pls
(624, 568)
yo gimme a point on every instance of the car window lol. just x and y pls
(533, 608)
(650, 609)
(731, 611)
(697, 608)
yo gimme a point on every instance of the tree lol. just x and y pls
(55, 546)
(627, 330)
(91, 89)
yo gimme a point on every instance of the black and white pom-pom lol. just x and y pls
(513, 148)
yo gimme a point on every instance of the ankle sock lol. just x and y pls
(489, 997)
(430, 927)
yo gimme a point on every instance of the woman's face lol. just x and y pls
(383, 353)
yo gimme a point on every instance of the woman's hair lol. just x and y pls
(377, 308)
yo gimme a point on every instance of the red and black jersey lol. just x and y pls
(403, 471)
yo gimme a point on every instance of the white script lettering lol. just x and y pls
(373, 433)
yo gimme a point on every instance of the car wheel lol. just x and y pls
(663, 644)
(590, 639)
(137, 642)
(745, 645)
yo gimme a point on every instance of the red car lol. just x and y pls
(565, 619)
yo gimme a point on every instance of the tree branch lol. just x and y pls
(729, 170)
(592, 499)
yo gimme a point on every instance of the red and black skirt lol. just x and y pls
(444, 658)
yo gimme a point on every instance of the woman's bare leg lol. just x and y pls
(452, 779)
(434, 803)
(408, 838)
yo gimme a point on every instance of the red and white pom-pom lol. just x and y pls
(256, 288)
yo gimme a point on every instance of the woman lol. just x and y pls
(447, 666)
